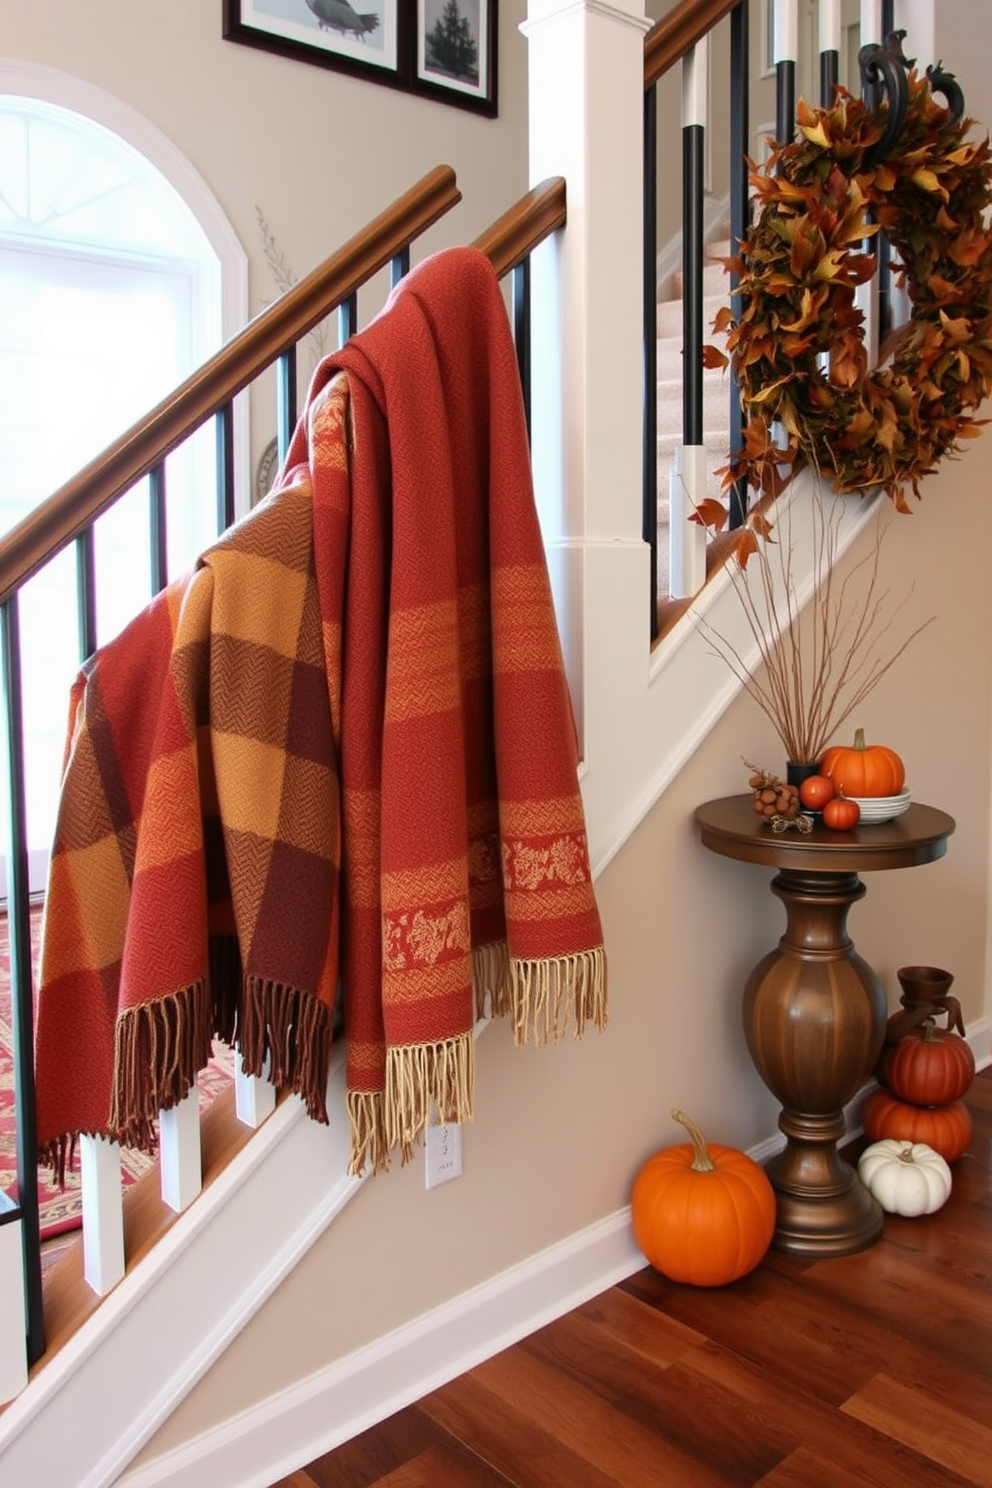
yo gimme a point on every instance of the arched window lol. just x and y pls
(112, 290)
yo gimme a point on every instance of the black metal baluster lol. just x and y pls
(521, 330)
(649, 520)
(785, 20)
(224, 428)
(693, 167)
(285, 401)
(740, 213)
(347, 319)
(157, 538)
(22, 1010)
(829, 75)
(399, 266)
(785, 100)
(86, 593)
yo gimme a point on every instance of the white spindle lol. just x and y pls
(13, 1350)
(785, 31)
(871, 22)
(687, 540)
(829, 25)
(179, 1152)
(103, 1213)
(254, 1095)
(695, 84)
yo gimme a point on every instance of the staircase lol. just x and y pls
(641, 716)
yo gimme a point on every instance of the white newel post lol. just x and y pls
(586, 102)
(13, 1329)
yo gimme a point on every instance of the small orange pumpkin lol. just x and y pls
(702, 1214)
(929, 1066)
(864, 769)
(947, 1129)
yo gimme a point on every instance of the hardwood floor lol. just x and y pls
(875, 1369)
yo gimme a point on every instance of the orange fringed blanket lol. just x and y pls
(344, 745)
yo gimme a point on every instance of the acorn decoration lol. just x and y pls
(772, 795)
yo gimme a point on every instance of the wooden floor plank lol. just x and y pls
(524, 1450)
(935, 1430)
(864, 1371)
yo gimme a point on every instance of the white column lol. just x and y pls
(13, 1330)
(103, 1213)
(586, 107)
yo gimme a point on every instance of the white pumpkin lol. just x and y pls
(907, 1178)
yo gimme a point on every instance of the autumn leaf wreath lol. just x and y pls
(796, 334)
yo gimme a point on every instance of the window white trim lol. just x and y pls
(35, 80)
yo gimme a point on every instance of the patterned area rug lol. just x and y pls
(61, 1209)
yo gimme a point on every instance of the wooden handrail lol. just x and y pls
(676, 33)
(63, 516)
(528, 222)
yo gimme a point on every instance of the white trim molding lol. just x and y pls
(260, 1446)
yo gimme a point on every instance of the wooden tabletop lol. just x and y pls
(732, 827)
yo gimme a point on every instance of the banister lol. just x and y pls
(676, 33)
(515, 235)
(71, 509)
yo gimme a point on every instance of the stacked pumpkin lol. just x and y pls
(925, 1075)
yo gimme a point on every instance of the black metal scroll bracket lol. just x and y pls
(947, 84)
(884, 67)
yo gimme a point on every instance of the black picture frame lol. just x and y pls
(396, 43)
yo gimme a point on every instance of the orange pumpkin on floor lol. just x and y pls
(947, 1129)
(702, 1214)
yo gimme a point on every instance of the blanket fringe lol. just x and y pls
(491, 980)
(294, 1029)
(550, 994)
(368, 1132)
(60, 1154)
(423, 1082)
(159, 1047)
(422, 1079)
(226, 985)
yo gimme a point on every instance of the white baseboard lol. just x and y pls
(301, 1424)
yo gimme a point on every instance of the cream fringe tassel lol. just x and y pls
(550, 994)
(423, 1081)
(544, 998)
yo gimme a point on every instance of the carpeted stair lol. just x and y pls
(716, 386)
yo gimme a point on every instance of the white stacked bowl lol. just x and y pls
(878, 809)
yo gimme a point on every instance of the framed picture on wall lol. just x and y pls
(360, 39)
(440, 49)
(456, 51)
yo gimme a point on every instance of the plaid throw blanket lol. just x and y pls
(342, 749)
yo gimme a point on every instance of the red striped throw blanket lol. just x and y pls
(342, 749)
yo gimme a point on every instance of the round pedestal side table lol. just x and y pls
(814, 1011)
